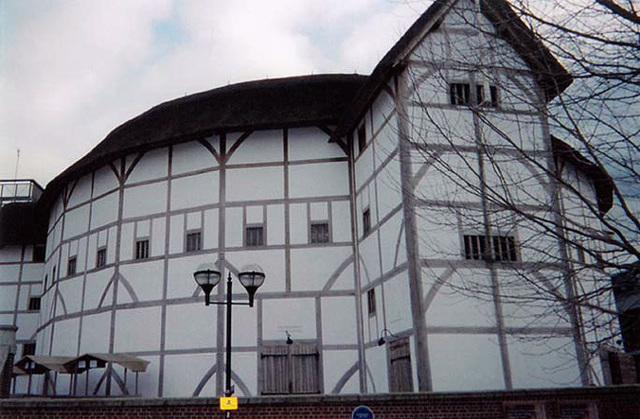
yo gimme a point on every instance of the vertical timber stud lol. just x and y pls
(362, 361)
(411, 234)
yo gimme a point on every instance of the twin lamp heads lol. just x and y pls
(207, 276)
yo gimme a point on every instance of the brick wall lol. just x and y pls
(588, 403)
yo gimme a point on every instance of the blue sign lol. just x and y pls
(362, 412)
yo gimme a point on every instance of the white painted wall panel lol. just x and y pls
(378, 381)
(311, 143)
(195, 191)
(127, 242)
(328, 179)
(71, 291)
(233, 229)
(299, 224)
(297, 315)
(255, 183)
(312, 268)
(370, 258)
(145, 200)
(397, 307)
(95, 288)
(9, 273)
(393, 243)
(465, 362)
(130, 337)
(183, 373)
(145, 279)
(81, 192)
(543, 362)
(65, 337)
(105, 180)
(158, 236)
(338, 321)
(190, 326)
(192, 156)
(152, 165)
(341, 218)
(210, 233)
(364, 167)
(275, 224)
(105, 211)
(27, 325)
(176, 228)
(336, 364)
(260, 147)
(94, 338)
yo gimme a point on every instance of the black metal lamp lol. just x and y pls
(384, 335)
(207, 277)
(251, 277)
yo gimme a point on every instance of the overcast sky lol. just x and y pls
(71, 71)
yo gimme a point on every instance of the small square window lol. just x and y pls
(71, 266)
(460, 93)
(499, 248)
(495, 99)
(142, 249)
(371, 301)
(366, 222)
(194, 241)
(34, 303)
(319, 232)
(254, 236)
(101, 258)
(39, 251)
(28, 349)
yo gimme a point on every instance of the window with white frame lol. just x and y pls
(290, 369)
(319, 232)
(193, 242)
(496, 248)
(142, 249)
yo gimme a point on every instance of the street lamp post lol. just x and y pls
(207, 277)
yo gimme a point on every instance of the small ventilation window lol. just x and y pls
(142, 249)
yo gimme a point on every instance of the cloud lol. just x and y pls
(74, 70)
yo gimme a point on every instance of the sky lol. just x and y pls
(73, 70)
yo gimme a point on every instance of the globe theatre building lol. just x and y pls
(321, 181)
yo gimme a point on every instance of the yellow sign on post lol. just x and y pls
(228, 403)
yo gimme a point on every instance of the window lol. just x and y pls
(71, 266)
(39, 251)
(46, 280)
(502, 248)
(254, 236)
(482, 100)
(290, 369)
(319, 232)
(101, 258)
(28, 349)
(194, 241)
(142, 249)
(34, 303)
(366, 222)
(460, 93)
(371, 301)
(400, 376)
(362, 138)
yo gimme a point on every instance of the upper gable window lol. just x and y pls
(483, 100)
(460, 93)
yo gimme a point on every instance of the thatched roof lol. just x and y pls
(275, 103)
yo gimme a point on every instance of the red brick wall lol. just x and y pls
(608, 403)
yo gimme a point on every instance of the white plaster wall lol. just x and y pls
(328, 179)
(192, 156)
(297, 315)
(180, 275)
(255, 183)
(194, 191)
(298, 224)
(338, 319)
(145, 199)
(397, 307)
(378, 380)
(341, 218)
(81, 191)
(336, 364)
(105, 210)
(182, 373)
(465, 362)
(129, 336)
(71, 291)
(542, 362)
(65, 337)
(271, 261)
(259, 147)
(105, 180)
(312, 268)
(95, 286)
(311, 143)
(190, 326)
(152, 165)
(145, 279)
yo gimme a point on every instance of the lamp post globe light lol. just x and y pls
(207, 277)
